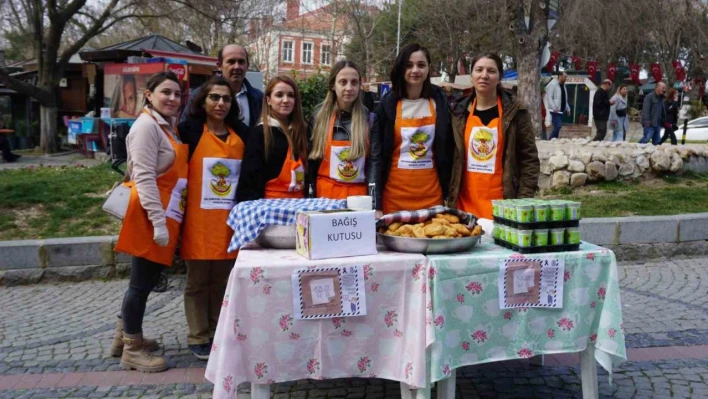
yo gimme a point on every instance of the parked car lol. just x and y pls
(697, 130)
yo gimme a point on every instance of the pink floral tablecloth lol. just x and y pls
(258, 339)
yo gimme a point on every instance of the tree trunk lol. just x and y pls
(48, 135)
(529, 83)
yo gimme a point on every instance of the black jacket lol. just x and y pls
(190, 132)
(383, 134)
(342, 129)
(256, 170)
(601, 105)
(672, 111)
(255, 104)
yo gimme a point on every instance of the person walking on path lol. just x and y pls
(653, 114)
(557, 103)
(618, 114)
(601, 109)
(672, 110)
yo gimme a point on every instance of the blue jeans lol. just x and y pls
(652, 133)
(557, 124)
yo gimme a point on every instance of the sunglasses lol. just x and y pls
(215, 98)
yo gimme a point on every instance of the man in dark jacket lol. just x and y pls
(653, 114)
(601, 109)
(233, 63)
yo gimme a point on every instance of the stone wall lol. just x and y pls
(576, 162)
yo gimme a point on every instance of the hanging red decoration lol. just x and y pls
(577, 63)
(656, 71)
(680, 71)
(611, 71)
(592, 69)
(634, 73)
(552, 61)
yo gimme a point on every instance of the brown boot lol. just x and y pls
(135, 357)
(150, 345)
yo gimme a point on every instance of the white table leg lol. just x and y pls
(537, 360)
(408, 393)
(588, 373)
(446, 387)
(260, 391)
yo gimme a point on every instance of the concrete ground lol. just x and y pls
(54, 340)
(71, 158)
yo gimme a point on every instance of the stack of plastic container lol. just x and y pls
(535, 226)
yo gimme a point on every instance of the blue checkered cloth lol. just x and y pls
(249, 218)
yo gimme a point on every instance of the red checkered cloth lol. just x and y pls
(422, 215)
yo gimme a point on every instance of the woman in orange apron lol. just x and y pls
(411, 138)
(276, 150)
(339, 138)
(157, 166)
(215, 136)
(496, 155)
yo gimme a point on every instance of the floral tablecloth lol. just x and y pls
(258, 339)
(470, 328)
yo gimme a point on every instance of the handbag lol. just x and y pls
(117, 203)
(621, 112)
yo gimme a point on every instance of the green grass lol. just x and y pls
(51, 202)
(669, 195)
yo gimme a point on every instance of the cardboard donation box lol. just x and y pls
(335, 234)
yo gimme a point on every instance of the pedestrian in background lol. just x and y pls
(618, 114)
(653, 114)
(671, 123)
(601, 109)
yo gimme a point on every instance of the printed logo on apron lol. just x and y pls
(416, 147)
(178, 201)
(483, 146)
(219, 181)
(342, 169)
(297, 179)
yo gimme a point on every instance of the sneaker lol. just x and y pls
(201, 352)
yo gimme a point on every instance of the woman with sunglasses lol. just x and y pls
(216, 137)
(276, 151)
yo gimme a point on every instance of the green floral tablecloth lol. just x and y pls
(470, 328)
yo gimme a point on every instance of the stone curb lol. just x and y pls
(83, 258)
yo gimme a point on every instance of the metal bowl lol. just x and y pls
(279, 237)
(428, 245)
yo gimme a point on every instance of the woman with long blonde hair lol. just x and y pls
(276, 150)
(339, 138)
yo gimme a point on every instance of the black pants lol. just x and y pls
(144, 275)
(7, 154)
(601, 127)
(669, 132)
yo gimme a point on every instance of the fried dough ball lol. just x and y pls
(418, 232)
(438, 220)
(462, 230)
(450, 232)
(434, 229)
(477, 231)
(450, 218)
(394, 226)
(389, 233)
(405, 229)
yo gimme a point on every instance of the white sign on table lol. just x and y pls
(531, 283)
(326, 292)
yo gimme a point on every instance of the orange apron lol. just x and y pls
(413, 181)
(136, 234)
(214, 171)
(482, 181)
(343, 177)
(290, 181)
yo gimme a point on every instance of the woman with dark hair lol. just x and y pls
(216, 138)
(339, 138)
(496, 155)
(411, 138)
(157, 174)
(276, 151)
(672, 109)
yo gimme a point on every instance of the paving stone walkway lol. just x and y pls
(54, 340)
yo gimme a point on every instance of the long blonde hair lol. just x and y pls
(359, 136)
(296, 132)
